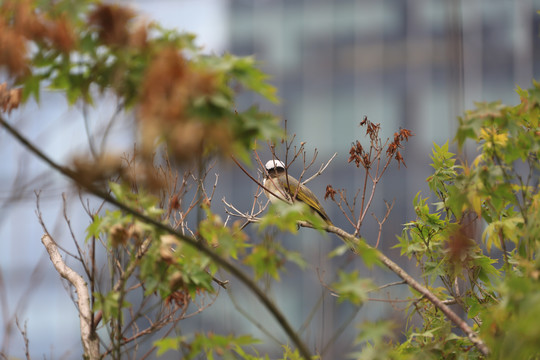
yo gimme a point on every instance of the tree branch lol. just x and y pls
(395, 268)
(89, 340)
(320, 171)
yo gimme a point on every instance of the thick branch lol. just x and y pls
(452, 316)
(89, 340)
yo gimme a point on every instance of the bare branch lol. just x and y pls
(89, 340)
(24, 333)
(249, 216)
(320, 171)
(389, 285)
(381, 222)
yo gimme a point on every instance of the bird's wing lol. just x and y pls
(306, 196)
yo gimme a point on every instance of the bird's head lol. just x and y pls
(274, 167)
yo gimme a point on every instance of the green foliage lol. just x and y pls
(502, 182)
(286, 216)
(222, 345)
(351, 287)
(139, 200)
(214, 346)
(168, 343)
(95, 228)
(270, 257)
(111, 305)
(165, 264)
(375, 339)
(244, 71)
(369, 255)
(211, 345)
(499, 190)
(511, 326)
(227, 241)
(293, 354)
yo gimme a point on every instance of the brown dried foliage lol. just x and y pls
(375, 164)
(136, 172)
(118, 235)
(91, 171)
(61, 34)
(359, 156)
(330, 193)
(112, 22)
(12, 50)
(9, 98)
(393, 147)
(139, 37)
(170, 86)
(19, 23)
(459, 247)
(461, 240)
(362, 157)
(180, 298)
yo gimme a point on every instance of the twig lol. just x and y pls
(86, 121)
(320, 171)
(250, 217)
(374, 181)
(24, 333)
(388, 285)
(381, 222)
(110, 123)
(72, 233)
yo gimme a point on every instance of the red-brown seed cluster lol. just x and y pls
(359, 156)
(393, 147)
(330, 193)
(9, 98)
(362, 157)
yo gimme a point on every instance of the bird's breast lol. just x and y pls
(274, 186)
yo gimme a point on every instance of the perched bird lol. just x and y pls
(285, 187)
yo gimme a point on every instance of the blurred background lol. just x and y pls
(416, 64)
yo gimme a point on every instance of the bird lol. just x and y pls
(279, 186)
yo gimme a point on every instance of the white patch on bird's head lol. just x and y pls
(274, 164)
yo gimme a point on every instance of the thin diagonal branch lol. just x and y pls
(396, 269)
